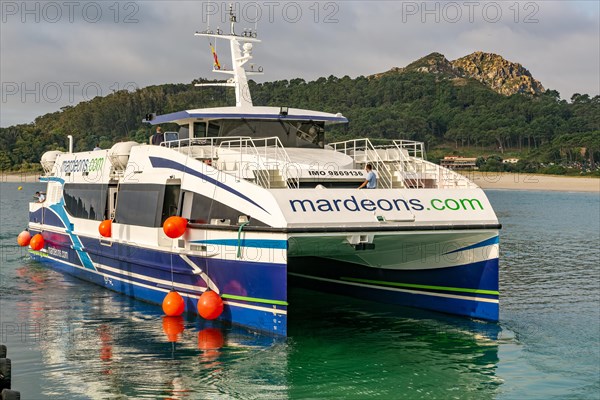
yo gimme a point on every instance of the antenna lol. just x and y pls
(232, 19)
(241, 53)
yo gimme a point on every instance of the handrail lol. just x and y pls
(280, 155)
(259, 148)
(353, 146)
(262, 176)
(408, 164)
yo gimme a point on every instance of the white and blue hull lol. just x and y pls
(254, 294)
(452, 272)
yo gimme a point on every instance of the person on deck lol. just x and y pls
(41, 197)
(158, 137)
(371, 181)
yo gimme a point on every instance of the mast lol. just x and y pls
(241, 52)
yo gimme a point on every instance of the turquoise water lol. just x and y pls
(72, 340)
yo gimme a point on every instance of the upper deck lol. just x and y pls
(268, 163)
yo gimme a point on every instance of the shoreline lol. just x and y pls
(533, 182)
(23, 177)
(485, 180)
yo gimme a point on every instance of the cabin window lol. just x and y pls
(170, 204)
(200, 209)
(290, 133)
(212, 130)
(199, 129)
(84, 200)
(145, 204)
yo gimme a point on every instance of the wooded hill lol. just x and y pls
(462, 113)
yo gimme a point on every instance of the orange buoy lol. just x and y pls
(210, 339)
(173, 326)
(173, 304)
(175, 226)
(105, 228)
(24, 238)
(37, 242)
(210, 305)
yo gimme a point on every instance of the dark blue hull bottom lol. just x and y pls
(467, 290)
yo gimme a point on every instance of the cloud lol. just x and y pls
(152, 42)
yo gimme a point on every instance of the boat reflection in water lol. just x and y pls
(98, 344)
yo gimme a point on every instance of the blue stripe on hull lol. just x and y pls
(326, 275)
(239, 278)
(46, 216)
(253, 315)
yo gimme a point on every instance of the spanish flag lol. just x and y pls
(214, 53)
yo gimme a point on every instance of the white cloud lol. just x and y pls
(561, 49)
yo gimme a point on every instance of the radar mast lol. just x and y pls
(241, 47)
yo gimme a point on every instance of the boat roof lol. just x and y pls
(262, 113)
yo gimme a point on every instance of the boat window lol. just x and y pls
(84, 200)
(171, 136)
(203, 209)
(184, 132)
(171, 201)
(199, 129)
(290, 133)
(140, 204)
(213, 129)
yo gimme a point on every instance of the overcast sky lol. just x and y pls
(55, 54)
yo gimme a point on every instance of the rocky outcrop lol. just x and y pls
(434, 63)
(492, 70)
(499, 74)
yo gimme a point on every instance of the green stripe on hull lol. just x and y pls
(417, 286)
(254, 299)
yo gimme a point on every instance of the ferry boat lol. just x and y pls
(268, 204)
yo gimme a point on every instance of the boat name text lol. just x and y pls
(354, 205)
(84, 165)
(53, 251)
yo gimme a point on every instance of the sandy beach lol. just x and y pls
(497, 180)
(20, 177)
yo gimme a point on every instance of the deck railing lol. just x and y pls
(261, 157)
(362, 151)
(412, 162)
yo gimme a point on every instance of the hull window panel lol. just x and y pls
(140, 204)
(83, 200)
(170, 204)
(200, 209)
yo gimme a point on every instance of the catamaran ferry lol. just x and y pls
(241, 202)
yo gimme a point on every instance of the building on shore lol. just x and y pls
(454, 162)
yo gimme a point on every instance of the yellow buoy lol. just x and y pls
(20, 188)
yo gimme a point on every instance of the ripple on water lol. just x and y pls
(75, 340)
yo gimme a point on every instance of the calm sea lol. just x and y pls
(72, 340)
